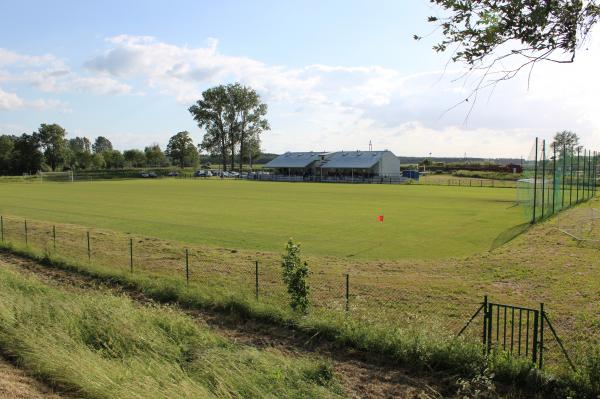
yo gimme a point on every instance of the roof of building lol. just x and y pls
(333, 160)
(353, 159)
(294, 160)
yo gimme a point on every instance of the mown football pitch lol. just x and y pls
(340, 220)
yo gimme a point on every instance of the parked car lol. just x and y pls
(203, 173)
(144, 174)
(173, 174)
(152, 174)
(234, 174)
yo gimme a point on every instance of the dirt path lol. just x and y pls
(15, 384)
(362, 375)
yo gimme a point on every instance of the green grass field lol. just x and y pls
(328, 219)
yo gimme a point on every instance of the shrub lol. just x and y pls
(295, 273)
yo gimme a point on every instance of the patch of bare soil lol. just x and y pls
(361, 374)
(15, 384)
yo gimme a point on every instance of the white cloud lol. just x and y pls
(10, 58)
(10, 101)
(52, 75)
(334, 106)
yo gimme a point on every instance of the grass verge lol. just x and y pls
(413, 346)
(104, 346)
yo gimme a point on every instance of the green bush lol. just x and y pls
(295, 272)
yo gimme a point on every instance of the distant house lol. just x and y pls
(355, 164)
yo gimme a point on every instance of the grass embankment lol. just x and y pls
(104, 346)
(338, 220)
(414, 346)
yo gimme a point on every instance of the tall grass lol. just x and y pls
(104, 346)
(416, 346)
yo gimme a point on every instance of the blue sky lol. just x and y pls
(335, 75)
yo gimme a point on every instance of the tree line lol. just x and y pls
(48, 149)
(232, 116)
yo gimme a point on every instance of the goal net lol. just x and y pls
(56, 176)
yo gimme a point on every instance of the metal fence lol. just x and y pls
(465, 182)
(386, 299)
(556, 179)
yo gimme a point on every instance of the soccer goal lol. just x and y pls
(582, 224)
(66, 176)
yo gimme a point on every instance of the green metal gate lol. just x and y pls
(513, 329)
(516, 330)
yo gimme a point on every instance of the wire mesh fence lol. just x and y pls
(356, 293)
(376, 299)
(433, 180)
(556, 178)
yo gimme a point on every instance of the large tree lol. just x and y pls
(502, 37)
(249, 116)
(181, 150)
(52, 139)
(7, 146)
(134, 158)
(101, 144)
(565, 139)
(253, 150)
(210, 113)
(27, 156)
(81, 155)
(113, 159)
(155, 156)
(231, 116)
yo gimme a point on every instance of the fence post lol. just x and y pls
(187, 268)
(534, 345)
(595, 172)
(485, 315)
(89, 250)
(54, 237)
(589, 182)
(571, 177)
(256, 279)
(131, 255)
(553, 179)
(543, 177)
(535, 180)
(578, 152)
(26, 238)
(564, 172)
(347, 292)
(583, 183)
(541, 358)
(2, 227)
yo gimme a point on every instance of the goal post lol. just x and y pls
(65, 177)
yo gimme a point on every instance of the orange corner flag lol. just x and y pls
(380, 218)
